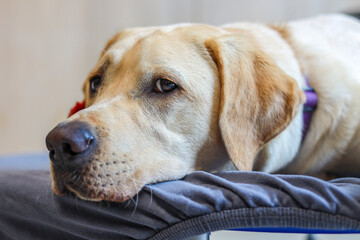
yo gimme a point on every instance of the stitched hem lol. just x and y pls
(257, 218)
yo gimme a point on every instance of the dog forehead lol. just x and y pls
(124, 41)
(154, 38)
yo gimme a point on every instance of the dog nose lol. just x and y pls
(69, 142)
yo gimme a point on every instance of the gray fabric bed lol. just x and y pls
(199, 203)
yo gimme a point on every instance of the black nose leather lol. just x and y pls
(69, 143)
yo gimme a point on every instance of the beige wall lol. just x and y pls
(47, 48)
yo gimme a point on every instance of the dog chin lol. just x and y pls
(100, 195)
(94, 194)
(58, 189)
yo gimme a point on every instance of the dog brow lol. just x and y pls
(101, 67)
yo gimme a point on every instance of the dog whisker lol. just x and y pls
(136, 204)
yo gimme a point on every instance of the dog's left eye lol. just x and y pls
(95, 83)
(163, 85)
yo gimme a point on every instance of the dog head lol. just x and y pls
(163, 102)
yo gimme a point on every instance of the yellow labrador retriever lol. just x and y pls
(165, 101)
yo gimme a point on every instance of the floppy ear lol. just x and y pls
(258, 100)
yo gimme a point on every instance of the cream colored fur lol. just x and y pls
(238, 100)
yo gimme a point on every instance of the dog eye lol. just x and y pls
(163, 85)
(95, 83)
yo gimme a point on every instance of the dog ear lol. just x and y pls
(258, 99)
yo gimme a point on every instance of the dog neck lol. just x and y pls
(309, 107)
(281, 150)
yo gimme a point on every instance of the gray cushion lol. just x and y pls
(199, 203)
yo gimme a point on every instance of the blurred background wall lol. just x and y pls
(48, 47)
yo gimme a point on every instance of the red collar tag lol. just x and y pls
(78, 106)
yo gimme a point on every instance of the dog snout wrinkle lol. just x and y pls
(70, 143)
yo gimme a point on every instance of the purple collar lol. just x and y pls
(309, 106)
